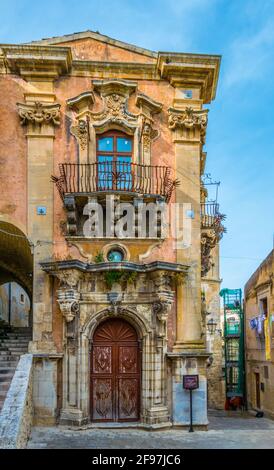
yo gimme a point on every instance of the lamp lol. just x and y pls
(211, 326)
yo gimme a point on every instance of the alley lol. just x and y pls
(225, 432)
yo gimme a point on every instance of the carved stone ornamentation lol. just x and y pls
(68, 301)
(208, 241)
(189, 119)
(68, 278)
(80, 131)
(39, 113)
(148, 134)
(115, 94)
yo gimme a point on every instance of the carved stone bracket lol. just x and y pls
(148, 108)
(189, 119)
(39, 113)
(68, 278)
(70, 205)
(81, 132)
(68, 301)
(208, 241)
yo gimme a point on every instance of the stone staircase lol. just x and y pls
(13, 343)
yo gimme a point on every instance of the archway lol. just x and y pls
(16, 270)
(115, 372)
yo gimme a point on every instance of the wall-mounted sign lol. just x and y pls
(41, 210)
(191, 382)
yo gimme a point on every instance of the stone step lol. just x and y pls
(15, 347)
(14, 340)
(8, 364)
(6, 370)
(6, 377)
(4, 386)
(8, 354)
(3, 394)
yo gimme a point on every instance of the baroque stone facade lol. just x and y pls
(66, 117)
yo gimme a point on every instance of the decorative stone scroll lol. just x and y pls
(115, 94)
(81, 132)
(209, 239)
(39, 113)
(148, 108)
(189, 119)
(68, 301)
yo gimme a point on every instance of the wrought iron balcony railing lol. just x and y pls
(115, 176)
(209, 213)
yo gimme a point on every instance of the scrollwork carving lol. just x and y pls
(80, 131)
(189, 118)
(39, 113)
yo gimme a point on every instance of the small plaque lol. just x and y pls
(190, 382)
(41, 210)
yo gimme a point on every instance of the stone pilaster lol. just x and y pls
(39, 116)
(189, 126)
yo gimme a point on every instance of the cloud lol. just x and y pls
(250, 56)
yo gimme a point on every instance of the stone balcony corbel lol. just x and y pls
(68, 301)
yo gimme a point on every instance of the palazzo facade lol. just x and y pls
(116, 320)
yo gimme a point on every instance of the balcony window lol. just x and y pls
(114, 159)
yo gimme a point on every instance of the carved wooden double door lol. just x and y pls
(115, 372)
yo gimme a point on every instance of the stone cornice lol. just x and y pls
(191, 70)
(39, 113)
(107, 87)
(41, 59)
(55, 266)
(36, 61)
(147, 104)
(84, 100)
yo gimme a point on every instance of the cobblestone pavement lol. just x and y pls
(225, 432)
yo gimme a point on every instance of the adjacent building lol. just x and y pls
(98, 136)
(259, 342)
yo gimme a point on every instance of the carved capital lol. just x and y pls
(39, 113)
(189, 119)
(68, 278)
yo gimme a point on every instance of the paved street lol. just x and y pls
(225, 432)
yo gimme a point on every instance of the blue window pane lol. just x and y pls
(115, 256)
(124, 144)
(124, 174)
(105, 144)
(105, 172)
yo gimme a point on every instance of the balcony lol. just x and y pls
(115, 177)
(209, 214)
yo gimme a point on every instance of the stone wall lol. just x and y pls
(259, 287)
(17, 413)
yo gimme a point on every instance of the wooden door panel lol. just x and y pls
(128, 399)
(128, 359)
(115, 372)
(102, 359)
(102, 399)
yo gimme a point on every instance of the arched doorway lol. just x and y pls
(115, 372)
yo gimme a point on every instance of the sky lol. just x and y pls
(240, 136)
